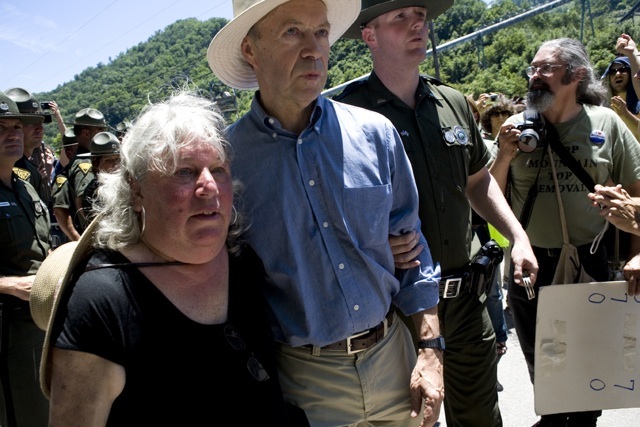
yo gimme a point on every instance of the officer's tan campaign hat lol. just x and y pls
(9, 110)
(373, 8)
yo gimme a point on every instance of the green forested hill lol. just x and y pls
(495, 62)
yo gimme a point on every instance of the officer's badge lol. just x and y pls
(38, 207)
(448, 136)
(461, 135)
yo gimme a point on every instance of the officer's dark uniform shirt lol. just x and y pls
(29, 172)
(444, 147)
(24, 229)
(62, 197)
(80, 175)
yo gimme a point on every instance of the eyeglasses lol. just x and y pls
(236, 342)
(499, 114)
(544, 70)
(621, 70)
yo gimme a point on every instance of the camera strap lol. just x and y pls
(567, 158)
(525, 215)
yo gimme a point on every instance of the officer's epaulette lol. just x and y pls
(350, 88)
(23, 174)
(85, 167)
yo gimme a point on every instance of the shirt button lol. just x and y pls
(341, 266)
(325, 224)
(271, 120)
(356, 307)
(274, 135)
(312, 183)
(300, 141)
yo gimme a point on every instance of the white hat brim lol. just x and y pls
(224, 53)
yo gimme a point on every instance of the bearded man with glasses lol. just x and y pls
(564, 91)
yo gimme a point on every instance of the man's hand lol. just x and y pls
(625, 45)
(427, 385)
(524, 261)
(617, 207)
(405, 250)
(631, 273)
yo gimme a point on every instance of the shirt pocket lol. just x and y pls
(12, 226)
(366, 211)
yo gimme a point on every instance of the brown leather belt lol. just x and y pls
(362, 340)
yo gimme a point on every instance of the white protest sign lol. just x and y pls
(586, 350)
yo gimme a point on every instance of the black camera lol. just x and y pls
(493, 97)
(46, 105)
(532, 132)
(483, 266)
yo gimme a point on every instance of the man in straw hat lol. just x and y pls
(449, 160)
(340, 177)
(24, 237)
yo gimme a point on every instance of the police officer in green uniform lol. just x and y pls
(105, 157)
(33, 133)
(24, 237)
(88, 122)
(64, 205)
(449, 161)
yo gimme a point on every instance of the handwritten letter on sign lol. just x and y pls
(586, 352)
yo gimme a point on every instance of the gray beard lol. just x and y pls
(540, 99)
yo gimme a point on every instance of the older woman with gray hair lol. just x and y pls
(164, 323)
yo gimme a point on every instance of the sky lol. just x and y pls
(45, 43)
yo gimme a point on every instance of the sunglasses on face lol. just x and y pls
(622, 70)
(499, 114)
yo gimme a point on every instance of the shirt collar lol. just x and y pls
(272, 124)
(379, 94)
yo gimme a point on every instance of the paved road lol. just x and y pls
(517, 401)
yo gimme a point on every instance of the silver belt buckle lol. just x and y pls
(451, 288)
(349, 351)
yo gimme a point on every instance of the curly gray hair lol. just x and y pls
(153, 143)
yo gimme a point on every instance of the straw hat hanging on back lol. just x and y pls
(51, 284)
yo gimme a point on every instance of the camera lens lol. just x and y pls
(528, 140)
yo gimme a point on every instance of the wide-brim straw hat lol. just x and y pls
(50, 284)
(224, 54)
(371, 9)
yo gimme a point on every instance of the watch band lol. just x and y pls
(437, 343)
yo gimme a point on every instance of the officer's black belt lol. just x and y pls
(453, 284)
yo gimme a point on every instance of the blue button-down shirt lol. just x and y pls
(321, 206)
